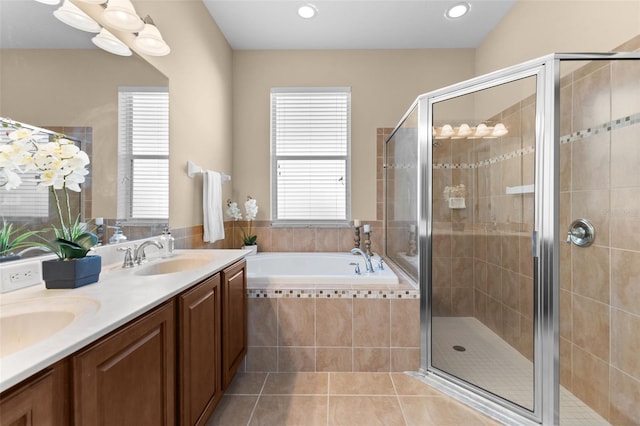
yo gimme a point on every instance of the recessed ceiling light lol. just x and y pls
(307, 11)
(457, 10)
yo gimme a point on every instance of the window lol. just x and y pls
(310, 155)
(143, 154)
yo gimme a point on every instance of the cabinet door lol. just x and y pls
(128, 378)
(199, 351)
(30, 404)
(41, 400)
(234, 320)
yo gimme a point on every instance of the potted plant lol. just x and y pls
(61, 167)
(249, 239)
(12, 240)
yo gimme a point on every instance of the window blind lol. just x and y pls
(310, 137)
(143, 154)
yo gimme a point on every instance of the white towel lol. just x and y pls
(212, 206)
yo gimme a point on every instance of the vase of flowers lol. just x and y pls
(61, 167)
(249, 239)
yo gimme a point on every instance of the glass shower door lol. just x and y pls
(483, 157)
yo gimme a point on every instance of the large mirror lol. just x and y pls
(52, 76)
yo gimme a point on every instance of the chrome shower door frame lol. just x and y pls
(544, 248)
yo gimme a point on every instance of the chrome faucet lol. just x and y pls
(367, 258)
(138, 254)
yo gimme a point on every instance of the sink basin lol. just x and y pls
(170, 266)
(28, 322)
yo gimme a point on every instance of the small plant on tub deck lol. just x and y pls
(251, 210)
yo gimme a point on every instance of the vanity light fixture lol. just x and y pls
(71, 15)
(481, 131)
(499, 130)
(149, 41)
(457, 10)
(307, 11)
(464, 131)
(121, 15)
(107, 41)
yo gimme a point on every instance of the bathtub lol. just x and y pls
(313, 269)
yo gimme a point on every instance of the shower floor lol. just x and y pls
(496, 366)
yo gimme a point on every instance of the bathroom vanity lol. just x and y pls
(163, 361)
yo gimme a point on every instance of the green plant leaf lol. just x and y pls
(69, 249)
(250, 240)
(86, 240)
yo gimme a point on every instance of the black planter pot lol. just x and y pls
(71, 273)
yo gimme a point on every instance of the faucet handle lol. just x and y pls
(128, 257)
(357, 265)
(381, 263)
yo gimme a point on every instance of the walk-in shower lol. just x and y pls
(492, 189)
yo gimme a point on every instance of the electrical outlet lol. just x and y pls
(19, 275)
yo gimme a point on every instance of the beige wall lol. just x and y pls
(199, 72)
(534, 28)
(383, 86)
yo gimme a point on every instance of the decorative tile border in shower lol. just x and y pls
(620, 123)
(606, 127)
(333, 294)
(513, 154)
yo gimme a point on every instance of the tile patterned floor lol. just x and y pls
(350, 399)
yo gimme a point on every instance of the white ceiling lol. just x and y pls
(355, 24)
(266, 24)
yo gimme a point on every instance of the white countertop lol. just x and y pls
(118, 297)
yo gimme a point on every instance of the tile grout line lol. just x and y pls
(255, 405)
(328, 394)
(395, 389)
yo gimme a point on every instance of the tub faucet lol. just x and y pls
(367, 258)
(139, 256)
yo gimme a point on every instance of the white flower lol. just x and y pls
(16, 155)
(233, 211)
(21, 134)
(251, 208)
(12, 179)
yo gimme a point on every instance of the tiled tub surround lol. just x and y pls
(334, 329)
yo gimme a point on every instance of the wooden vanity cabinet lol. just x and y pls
(234, 319)
(128, 377)
(184, 352)
(199, 358)
(40, 400)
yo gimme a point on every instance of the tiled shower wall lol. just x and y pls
(600, 284)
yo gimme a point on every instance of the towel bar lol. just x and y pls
(193, 169)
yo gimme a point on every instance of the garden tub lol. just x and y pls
(314, 269)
